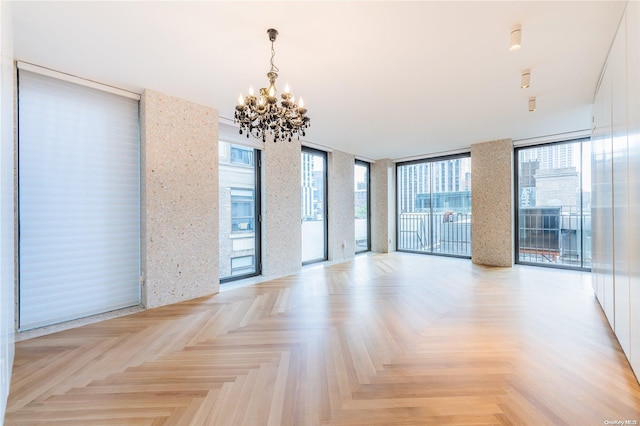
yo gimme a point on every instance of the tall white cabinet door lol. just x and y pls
(620, 173)
(599, 136)
(603, 198)
(633, 81)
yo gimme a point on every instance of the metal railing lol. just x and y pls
(438, 233)
(546, 235)
(554, 235)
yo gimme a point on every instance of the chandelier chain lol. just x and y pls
(273, 55)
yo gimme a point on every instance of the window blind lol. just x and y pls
(79, 201)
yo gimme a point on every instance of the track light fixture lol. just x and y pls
(532, 104)
(526, 79)
(514, 38)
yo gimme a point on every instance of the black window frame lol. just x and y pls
(368, 166)
(257, 223)
(325, 206)
(436, 175)
(549, 227)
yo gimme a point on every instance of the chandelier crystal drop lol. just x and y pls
(260, 116)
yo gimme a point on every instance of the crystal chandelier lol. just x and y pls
(262, 115)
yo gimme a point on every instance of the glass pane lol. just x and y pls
(451, 207)
(434, 206)
(586, 203)
(242, 265)
(241, 155)
(237, 205)
(313, 182)
(553, 192)
(414, 208)
(361, 206)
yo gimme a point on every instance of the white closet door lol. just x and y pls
(79, 201)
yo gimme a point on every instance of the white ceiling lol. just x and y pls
(383, 79)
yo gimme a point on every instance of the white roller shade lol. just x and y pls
(79, 201)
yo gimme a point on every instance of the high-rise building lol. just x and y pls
(558, 156)
(416, 181)
(307, 188)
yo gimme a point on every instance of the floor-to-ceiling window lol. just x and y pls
(239, 205)
(314, 205)
(434, 206)
(361, 208)
(79, 198)
(553, 204)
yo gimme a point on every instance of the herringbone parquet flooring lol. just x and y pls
(384, 339)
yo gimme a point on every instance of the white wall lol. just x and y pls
(616, 186)
(7, 251)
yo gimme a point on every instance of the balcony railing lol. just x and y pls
(554, 235)
(546, 235)
(441, 233)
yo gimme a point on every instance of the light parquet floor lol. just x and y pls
(384, 339)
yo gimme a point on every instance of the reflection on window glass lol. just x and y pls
(554, 204)
(242, 210)
(239, 239)
(242, 265)
(241, 155)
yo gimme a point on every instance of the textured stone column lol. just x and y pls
(492, 203)
(281, 226)
(180, 199)
(383, 206)
(341, 204)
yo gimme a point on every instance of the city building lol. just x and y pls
(237, 210)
